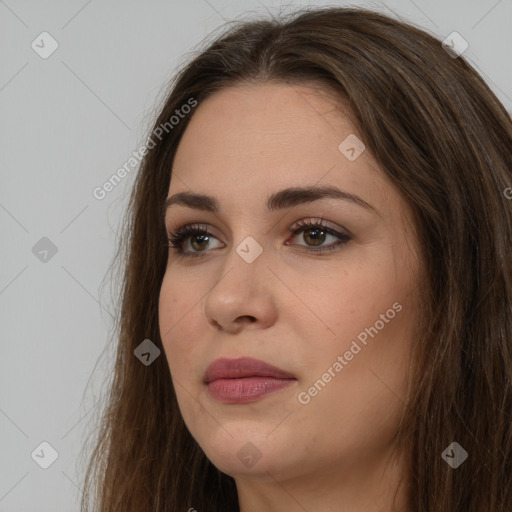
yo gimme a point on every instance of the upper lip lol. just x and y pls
(243, 367)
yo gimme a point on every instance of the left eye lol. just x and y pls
(316, 233)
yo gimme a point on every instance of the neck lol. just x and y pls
(374, 486)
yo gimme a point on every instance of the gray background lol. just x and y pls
(67, 123)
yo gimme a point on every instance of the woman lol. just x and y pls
(319, 248)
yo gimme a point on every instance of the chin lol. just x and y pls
(240, 458)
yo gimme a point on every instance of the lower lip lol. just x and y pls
(248, 389)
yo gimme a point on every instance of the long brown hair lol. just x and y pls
(445, 141)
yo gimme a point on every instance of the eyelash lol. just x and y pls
(176, 238)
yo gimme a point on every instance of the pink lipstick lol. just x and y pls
(244, 379)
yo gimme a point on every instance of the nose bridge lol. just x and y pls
(248, 239)
(250, 250)
(246, 263)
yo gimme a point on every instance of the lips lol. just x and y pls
(244, 380)
(243, 367)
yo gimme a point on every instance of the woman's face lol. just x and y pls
(339, 322)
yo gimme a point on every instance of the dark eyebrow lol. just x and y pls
(286, 198)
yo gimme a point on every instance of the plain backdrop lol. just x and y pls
(68, 121)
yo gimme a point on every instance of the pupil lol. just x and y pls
(318, 233)
(204, 239)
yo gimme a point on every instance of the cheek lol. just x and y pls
(176, 315)
(182, 330)
(167, 309)
(361, 395)
(352, 300)
(368, 313)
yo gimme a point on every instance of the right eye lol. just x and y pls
(199, 237)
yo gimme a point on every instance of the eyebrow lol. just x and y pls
(286, 198)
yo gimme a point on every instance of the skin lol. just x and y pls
(295, 309)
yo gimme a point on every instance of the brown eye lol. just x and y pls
(314, 236)
(315, 233)
(199, 237)
(202, 241)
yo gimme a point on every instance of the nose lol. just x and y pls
(243, 296)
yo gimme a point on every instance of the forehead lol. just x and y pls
(251, 140)
(266, 118)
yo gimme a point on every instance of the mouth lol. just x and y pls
(244, 379)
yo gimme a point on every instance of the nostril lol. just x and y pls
(246, 319)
